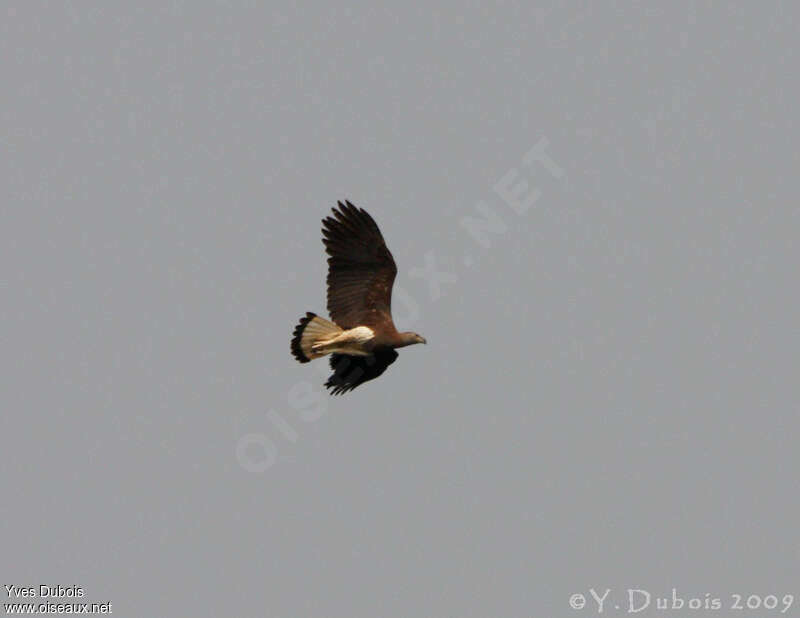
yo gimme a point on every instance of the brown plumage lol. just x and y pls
(362, 337)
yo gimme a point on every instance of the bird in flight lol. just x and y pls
(362, 337)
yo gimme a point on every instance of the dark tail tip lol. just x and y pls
(297, 351)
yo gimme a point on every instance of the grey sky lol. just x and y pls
(608, 397)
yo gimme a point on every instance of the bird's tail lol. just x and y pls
(309, 331)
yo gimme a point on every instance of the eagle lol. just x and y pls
(361, 339)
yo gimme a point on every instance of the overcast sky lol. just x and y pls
(594, 212)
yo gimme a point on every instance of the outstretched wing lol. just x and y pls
(361, 270)
(352, 371)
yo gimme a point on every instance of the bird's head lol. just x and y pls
(412, 338)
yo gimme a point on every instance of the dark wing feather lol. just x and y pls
(361, 270)
(352, 371)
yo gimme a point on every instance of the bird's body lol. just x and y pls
(362, 337)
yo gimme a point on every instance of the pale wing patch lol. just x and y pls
(352, 341)
(360, 334)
